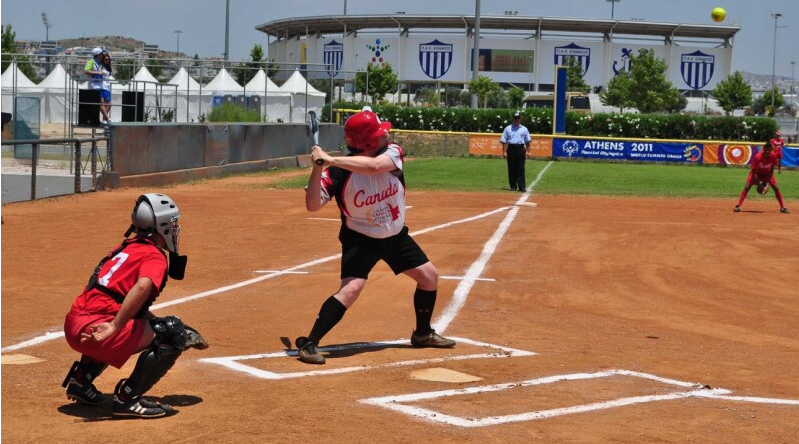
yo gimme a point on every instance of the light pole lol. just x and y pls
(793, 91)
(774, 61)
(476, 50)
(177, 51)
(612, 6)
(530, 80)
(47, 27)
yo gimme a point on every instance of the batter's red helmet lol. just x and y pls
(364, 130)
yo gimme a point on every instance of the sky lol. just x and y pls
(202, 22)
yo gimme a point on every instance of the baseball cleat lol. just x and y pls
(84, 394)
(307, 351)
(737, 209)
(136, 408)
(431, 339)
(784, 210)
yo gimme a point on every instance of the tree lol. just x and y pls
(124, 69)
(244, 72)
(482, 87)
(616, 92)
(733, 93)
(382, 80)
(515, 98)
(155, 66)
(9, 46)
(574, 76)
(649, 91)
(763, 104)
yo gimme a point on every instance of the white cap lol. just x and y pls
(96, 51)
(367, 108)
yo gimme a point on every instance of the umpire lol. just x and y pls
(516, 147)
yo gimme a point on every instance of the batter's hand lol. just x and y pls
(317, 155)
(98, 333)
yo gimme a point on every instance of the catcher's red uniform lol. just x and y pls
(139, 258)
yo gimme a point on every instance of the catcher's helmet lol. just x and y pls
(364, 130)
(157, 213)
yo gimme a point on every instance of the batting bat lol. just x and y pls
(313, 125)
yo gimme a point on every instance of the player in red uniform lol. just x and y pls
(110, 321)
(777, 144)
(369, 188)
(762, 175)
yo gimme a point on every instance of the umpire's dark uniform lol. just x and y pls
(515, 147)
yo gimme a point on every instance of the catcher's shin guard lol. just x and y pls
(156, 360)
(151, 366)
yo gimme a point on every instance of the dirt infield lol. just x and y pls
(670, 292)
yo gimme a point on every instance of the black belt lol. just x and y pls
(515, 145)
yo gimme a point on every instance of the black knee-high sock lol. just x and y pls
(423, 302)
(329, 315)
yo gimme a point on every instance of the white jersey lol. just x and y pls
(370, 204)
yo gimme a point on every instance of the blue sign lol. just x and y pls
(435, 58)
(333, 57)
(572, 51)
(790, 156)
(618, 150)
(697, 68)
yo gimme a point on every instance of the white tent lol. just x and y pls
(144, 81)
(187, 97)
(56, 88)
(223, 83)
(14, 81)
(304, 97)
(275, 104)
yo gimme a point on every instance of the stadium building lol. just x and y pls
(513, 50)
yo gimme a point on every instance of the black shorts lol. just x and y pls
(360, 253)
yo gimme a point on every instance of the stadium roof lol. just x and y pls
(300, 26)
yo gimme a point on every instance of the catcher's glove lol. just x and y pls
(195, 340)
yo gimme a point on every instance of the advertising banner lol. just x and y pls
(790, 156)
(619, 150)
(481, 145)
(729, 154)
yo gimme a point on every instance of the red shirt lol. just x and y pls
(777, 144)
(764, 165)
(120, 274)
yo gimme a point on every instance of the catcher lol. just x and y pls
(762, 175)
(110, 320)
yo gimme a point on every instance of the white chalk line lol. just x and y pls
(395, 403)
(280, 272)
(50, 335)
(460, 278)
(461, 293)
(233, 362)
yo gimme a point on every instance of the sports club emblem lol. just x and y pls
(435, 58)
(333, 56)
(571, 147)
(574, 52)
(735, 154)
(625, 62)
(697, 68)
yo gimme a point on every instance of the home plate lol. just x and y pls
(19, 359)
(439, 374)
(527, 204)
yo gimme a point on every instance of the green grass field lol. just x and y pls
(585, 178)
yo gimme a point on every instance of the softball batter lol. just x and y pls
(369, 189)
